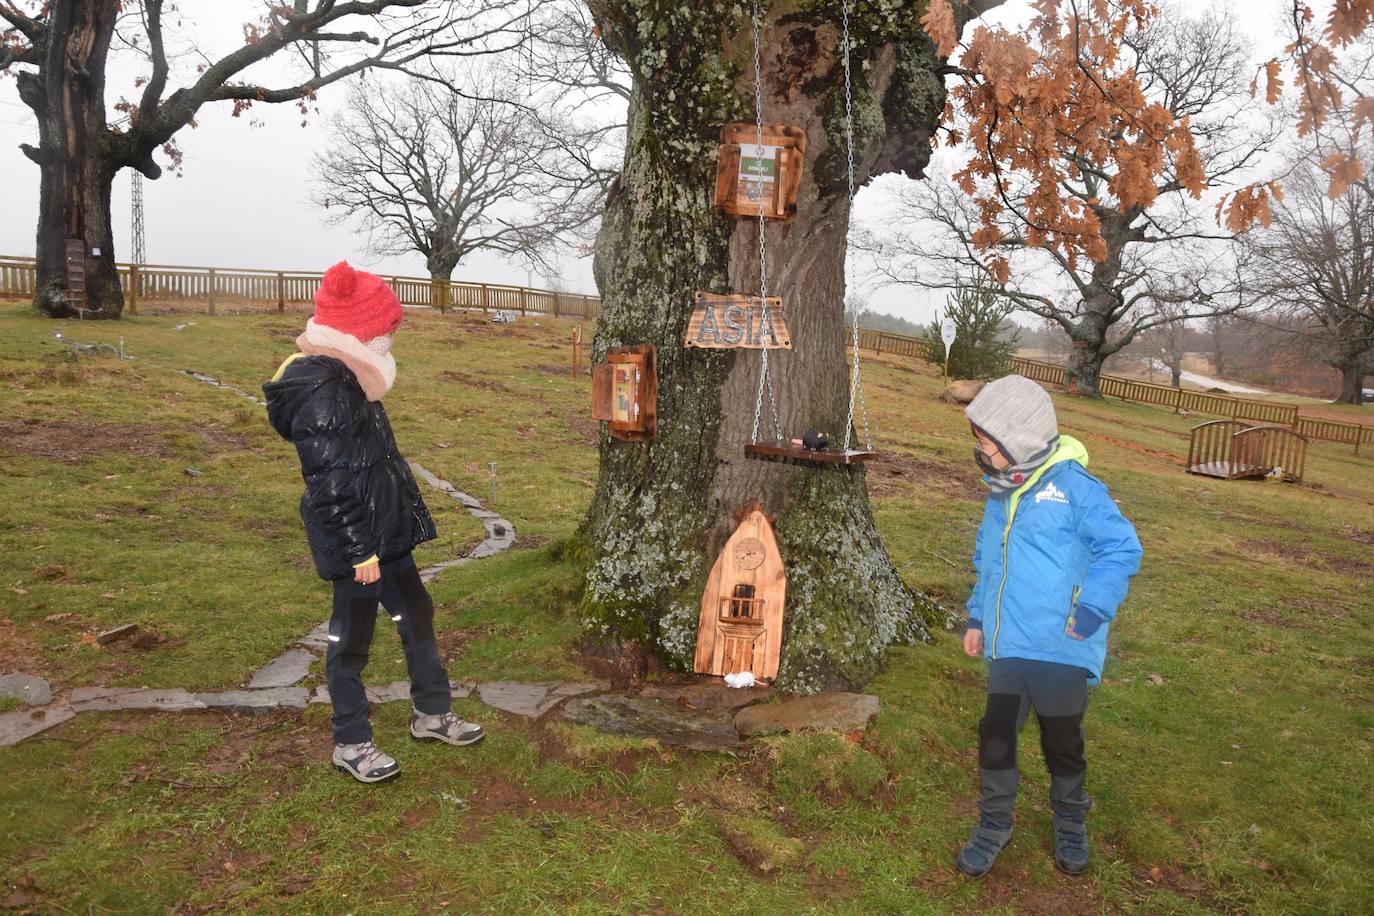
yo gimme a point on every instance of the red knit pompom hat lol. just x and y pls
(356, 303)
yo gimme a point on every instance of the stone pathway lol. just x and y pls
(704, 715)
(293, 665)
(275, 685)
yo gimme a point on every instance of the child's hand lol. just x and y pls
(973, 643)
(368, 574)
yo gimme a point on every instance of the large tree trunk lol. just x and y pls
(74, 198)
(1352, 384)
(1083, 370)
(663, 509)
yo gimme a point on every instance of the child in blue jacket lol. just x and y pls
(1053, 558)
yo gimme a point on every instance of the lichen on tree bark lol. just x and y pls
(663, 509)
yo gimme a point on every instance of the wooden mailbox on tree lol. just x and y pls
(625, 393)
(742, 608)
(754, 170)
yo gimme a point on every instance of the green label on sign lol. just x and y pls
(759, 163)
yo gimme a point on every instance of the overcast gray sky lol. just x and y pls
(244, 197)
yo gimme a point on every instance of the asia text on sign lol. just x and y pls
(737, 322)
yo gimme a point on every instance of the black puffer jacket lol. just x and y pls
(360, 497)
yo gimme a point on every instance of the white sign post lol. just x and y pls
(947, 331)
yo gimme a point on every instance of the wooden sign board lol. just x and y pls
(737, 322)
(759, 174)
(625, 393)
(742, 608)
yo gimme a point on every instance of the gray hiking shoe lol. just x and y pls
(1070, 845)
(447, 728)
(981, 851)
(365, 762)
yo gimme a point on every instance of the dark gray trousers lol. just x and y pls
(1059, 694)
(406, 600)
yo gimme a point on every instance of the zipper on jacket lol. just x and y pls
(1073, 607)
(1006, 535)
(1013, 503)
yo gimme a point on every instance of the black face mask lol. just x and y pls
(984, 462)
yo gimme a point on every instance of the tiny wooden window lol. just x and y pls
(625, 393)
(742, 605)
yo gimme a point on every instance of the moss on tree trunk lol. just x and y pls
(663, 509)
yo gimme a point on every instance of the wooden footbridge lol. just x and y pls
(1231, 449)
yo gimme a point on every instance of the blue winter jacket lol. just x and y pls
(1054, 553)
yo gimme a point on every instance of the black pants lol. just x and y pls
(401, 592)
(1059, 694)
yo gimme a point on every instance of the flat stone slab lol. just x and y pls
(118, 633)
(286, 670)
(667, 723)
(390, 693)
(114, 699)
(824, 712)
(490, 548)
(317, 638)
(428, 477)
(256, 700)
(31, 689)
(430, 573)
(25, 723)
(530, 700)
(714, 697)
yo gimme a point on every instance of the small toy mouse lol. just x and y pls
(816, 442)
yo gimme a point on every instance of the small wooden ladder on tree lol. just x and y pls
(76, 274)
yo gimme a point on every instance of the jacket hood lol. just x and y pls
(294, 384)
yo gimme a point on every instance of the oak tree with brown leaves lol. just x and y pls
(1098, 232)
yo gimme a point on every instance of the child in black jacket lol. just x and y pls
(362, 511)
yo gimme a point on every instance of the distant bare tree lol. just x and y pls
(581, 92)
(1221, 334)
(59, 51)
(1315, 263)
(1157, 265)
(1169, 342)
(427, 170)
(569, 58)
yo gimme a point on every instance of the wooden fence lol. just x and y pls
(901, 345)
(214, 287)
(1179, 399)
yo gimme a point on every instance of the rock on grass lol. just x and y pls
(758, 842)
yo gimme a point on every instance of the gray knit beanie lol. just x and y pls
(1018, 415)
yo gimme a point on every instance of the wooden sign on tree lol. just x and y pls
(742, 607)
(758, 174)
(625, 393)
(737, 322)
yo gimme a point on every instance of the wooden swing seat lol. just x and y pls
(799, 453)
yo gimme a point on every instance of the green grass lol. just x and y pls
(1228, 745)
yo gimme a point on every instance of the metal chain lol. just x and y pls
(856, 385)
(765, 378)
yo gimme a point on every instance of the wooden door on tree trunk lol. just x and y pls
(76, 274)
(742, 607)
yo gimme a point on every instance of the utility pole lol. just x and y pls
(138, 255)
